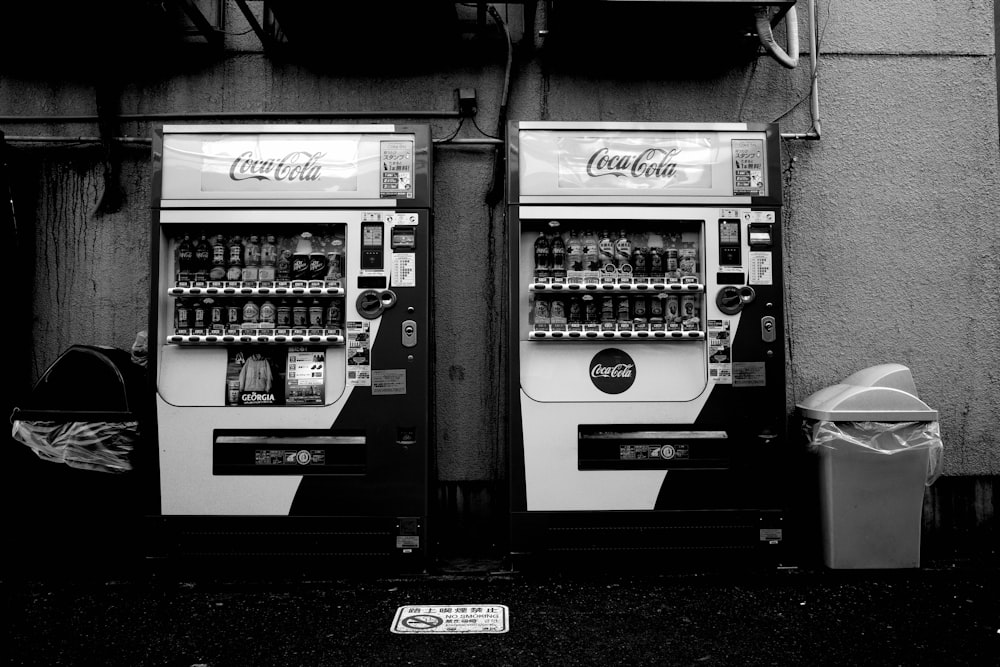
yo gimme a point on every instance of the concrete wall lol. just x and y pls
(891, 235)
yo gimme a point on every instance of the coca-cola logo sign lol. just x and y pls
(296, 166)
(648, 163)
(612, 371)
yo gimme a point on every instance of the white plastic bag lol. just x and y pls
(102, 446)
(886, 438)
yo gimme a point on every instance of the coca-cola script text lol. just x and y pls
(650, 163)
(296, 166)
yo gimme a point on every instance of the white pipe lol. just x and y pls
(790, 58)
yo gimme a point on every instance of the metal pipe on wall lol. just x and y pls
(814, 131)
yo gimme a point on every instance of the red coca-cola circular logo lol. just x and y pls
(612, 371)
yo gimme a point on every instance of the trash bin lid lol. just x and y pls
(883, 393)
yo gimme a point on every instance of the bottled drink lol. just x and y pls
(185, 258)
(251, 314)
(199, 313)
(283, 265)
(234, 316)
(268, 314)
(687, 260)
(541, 312)
(317, 262)
(251, 263)
(623, 249)
(672, 312)
(335, 259)
(218, 268)
(622, 309)
(574, 251)
(670, 258)
(606, 250)
(590, 314)
(268, 258)
(558, 249)
(591, 257)
(608, 313)
(640, 315)
(300, 258)
(639, 268)
(332, 315)
(557, 312)
(216, 314)
(182, 315)
(654, 262)
(575, 315)
(234, 259)
(202, 257)
(543, 257)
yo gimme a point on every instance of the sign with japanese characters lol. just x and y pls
(451, 619)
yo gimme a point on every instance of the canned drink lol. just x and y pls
(689, 307)
(283, 315)
(300, 315)
(233, 388)
(672, 308)
(656, 307)
(315, 315)
(670, 260)
(234, 315)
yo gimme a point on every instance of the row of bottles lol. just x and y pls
(263, 258)
(230, 315)
(589, 255)
(633, 312)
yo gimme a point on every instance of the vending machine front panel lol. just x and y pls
(647, 370)
(291, 356)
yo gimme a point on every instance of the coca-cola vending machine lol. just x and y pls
(289, 340)
(647, 359)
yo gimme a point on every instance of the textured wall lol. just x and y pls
(891, 234)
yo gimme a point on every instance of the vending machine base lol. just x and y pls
(666, 540)
(326, 545)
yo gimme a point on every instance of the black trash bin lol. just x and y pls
(86, 412)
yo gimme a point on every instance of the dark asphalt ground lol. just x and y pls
(76, 594)
(945, 613)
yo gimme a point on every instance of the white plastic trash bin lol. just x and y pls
(877, 446)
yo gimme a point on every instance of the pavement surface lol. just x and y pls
(944, 613)
(77, 592)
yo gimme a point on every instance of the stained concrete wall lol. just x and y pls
(890, 232)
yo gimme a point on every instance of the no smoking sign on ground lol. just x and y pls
(451, 619)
